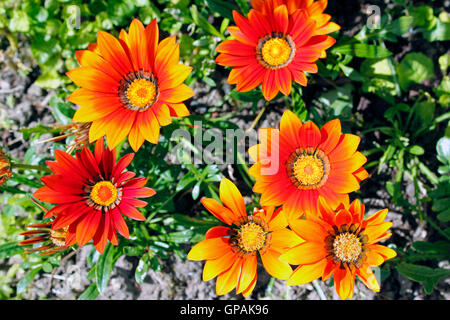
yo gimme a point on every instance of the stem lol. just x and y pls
(30, 166)
(436, 227)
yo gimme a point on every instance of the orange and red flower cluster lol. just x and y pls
(304, 174)
(132, 85)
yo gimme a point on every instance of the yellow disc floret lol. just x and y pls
(141, 93)
(104, 193)
(276, 52)
(251, 237)
(347, 247)
(308, 170)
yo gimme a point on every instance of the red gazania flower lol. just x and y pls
(231, 252)
(341, 243)
(130, 86)
(314, 10)
(92, 192)
(299, 162)
(272, 48)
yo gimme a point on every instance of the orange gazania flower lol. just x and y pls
(130, 86)
(299, 162)
(314, 10)
(272, 48)
(230, 252)
(92, 192)
(342, 243)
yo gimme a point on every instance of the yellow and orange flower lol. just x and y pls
(130, 86)
(92, 192)
(314, 10)
(273, 48)
(298, 163)
(5, 168)
(231, 252)
(341, 243)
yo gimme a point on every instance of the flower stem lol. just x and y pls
(30, 166)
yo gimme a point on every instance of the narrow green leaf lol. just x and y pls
(91, 293)
(105, 265)
(362, 50)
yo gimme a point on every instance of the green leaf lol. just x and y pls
(19, 22)
(414, 68)
(424, 17)
(141, 269)
(91, 293)
(203, 23)
(401, 25)
(224, 8)
(25, 281)
(428, 276)
(9, 249)
(362, 50)
(441, 32)
(416, 150)
(105, 265)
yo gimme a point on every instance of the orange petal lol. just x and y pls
(209, 249)
(307, 273)
(228, 280)
(232, 198)
(217, 266)
(274, 266)
(218, 210)
(248, 273)
(305, 253)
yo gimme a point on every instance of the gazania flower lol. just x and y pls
(53, 241)
(231, 252)
(130, 86)
(299, 162)
(92, 192)
(272, 48)
(5, 168)
(343, 244)
(314, 10)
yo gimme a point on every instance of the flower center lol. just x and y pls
(104, 193)
(138, 91)
(275, 51)
(58, 237)
(308, 168)
(251, 237)
(347, 247)
(141, 93)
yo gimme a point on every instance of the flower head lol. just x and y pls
(5, 168)
(298, 163)
(341, 243)
(272, 48)
(231, 251)
(314, 10)
(52, 241)
(130, 86)
(92, 192)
